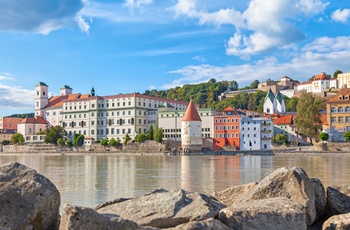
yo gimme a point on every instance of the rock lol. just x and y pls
(28, 200)
(338, 200)
(290, 183)
(274, 213)
(320, 198)
(229, 196)
(338, 222)
(74, 217)
(209, 224)
(166, 209)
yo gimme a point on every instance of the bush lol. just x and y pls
(323, 136)
(69, 143)
(17, 138)
(347, 136)
(104, 142)
(113, 142)
(5, 142)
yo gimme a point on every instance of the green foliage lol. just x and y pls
(141, 137)
(158, 134)
(54, 133)
(104, 142)
(307, 120)
(323, 136)
(5, 142)
(69, 143)
(22, 115)
(233, 85)
(335, 74)
(291, 104)
(113, 142)
(150, 133)
(78, 139)
(347, 136)
(17, 139)
(126, 139)
(254, 84)
(60, 142)
(280, 139)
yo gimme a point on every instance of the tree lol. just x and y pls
(5, 142)
(150, 133)
(104, 142)
(254, 84)
(281, 139)
(17, 139)
(158, 135)
(308, 120)
(60, 142)
(54, 133)
(335, 74)
(78, 139)
(233, 85)
(141, 137)
(291, 104)
(69, 143)
(127, 138)
(323, 136)
(347, 136)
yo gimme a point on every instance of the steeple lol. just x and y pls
(92, 92)
(191, 113)
(269, 96)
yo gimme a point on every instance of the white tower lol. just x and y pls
(65, 90)
(41, 98)
(191, 129)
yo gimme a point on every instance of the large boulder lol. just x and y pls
(320, 198)
(165, 209)
(337, 222)
(75, 217)
(230, 195)
(209, 224)
(338, 200)
(28, 200)
(274, 213)
(290, 183)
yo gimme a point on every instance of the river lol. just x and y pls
(88, 180)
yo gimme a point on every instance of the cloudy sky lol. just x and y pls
(125, 46)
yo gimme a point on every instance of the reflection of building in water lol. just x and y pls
(252, 169)
(227, 168)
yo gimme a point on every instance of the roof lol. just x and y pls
(279, 97)
(57, 101)
(283, 120)
(191, 113)
(166, 105)
(41, 84)
(66, 87)
(323, 118)
(33, 120)
(270, 96)
(321, 76)
(340, 96)
(229, 109)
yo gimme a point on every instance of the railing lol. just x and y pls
(266, 131)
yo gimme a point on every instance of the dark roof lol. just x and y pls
(41, 83)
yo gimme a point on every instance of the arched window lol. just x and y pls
(340, 109)
(333, 110)
(347, 109)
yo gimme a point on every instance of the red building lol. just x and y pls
(227, 130)
(9, 123)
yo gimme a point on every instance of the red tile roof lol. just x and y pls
(33, 120)
(343, 92)
(229, 109)
(323, 118)
(284, 120)
(191, 113)
(57, 101)
(321, 76)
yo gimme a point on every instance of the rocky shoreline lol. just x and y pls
(285, 199)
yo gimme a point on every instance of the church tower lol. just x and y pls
(65, 90)
(280, 104)
(41, 98)
(269, 103)
(191, 130)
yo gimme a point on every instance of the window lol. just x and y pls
(340, 119)
(340, 109)
(332, 119)
(347, 119)
(333, 110)
(347, 109)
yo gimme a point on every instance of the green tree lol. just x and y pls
(233, 85)
(347, 136)
(113, 142)
(69, 143)
(335, 74)
(141, 137)
(308, 120)
(151, 133)
(158, 135)
(78, 139)
(254, 84)
(104, 142)
(54, 133)
(280, 139)
(5, 142)
(17, 139)
(291, 104)
(127, 138)
(60, 142)
(323, 136)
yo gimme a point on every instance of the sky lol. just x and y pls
(127, 46)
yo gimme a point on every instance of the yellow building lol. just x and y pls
(344, 80)
(338, 114)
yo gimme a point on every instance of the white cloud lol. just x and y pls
(137, 3)
(199, 58)
(83, 25)
(341, 15)
(322, 55)
(15, 97)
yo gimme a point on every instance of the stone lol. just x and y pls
(166, 209)
(28, 200)
(209, 224)
(75, 217)
(290, 183)
(320, 198)
(230, 195)
(338, 200)
(274, 213)
(337, 222)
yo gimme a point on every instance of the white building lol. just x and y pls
(319, 84)
(274, 104)
(344, 80)
(30, 127)
(256, 133)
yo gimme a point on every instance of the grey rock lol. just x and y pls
(337, 222)
(338, 200)
(230, 195)
(209, 224)
(272, 214)
(320, 198)
(28, 200)
(290, 183)
(81, 218)
(165, 209)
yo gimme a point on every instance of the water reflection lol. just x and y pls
(88, 180)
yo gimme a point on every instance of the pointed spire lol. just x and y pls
(191, 113)
(270, 96)
(279, 97)
(92, 91)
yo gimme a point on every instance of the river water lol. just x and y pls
(88, 180)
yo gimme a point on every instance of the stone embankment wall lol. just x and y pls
(36, 148)
(332, 146)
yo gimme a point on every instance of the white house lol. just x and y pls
(274, 104)
(256, 133)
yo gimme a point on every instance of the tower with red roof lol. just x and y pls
(191, 130)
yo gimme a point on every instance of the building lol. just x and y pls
(30, 127)
(9, 123)
(285, 125)
(5, 134)
(319, 84)
(343, 80)
(256, 133)
(274, 103)
(338, 115)
(275, 86)
(191, 130)
(227, 130)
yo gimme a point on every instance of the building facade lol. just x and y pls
(256, 133)
(9, 123)
(274, 103)
(343, 80)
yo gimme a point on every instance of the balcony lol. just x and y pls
(266, 123)
(265, 131)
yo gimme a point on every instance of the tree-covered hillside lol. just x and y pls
(22, 115)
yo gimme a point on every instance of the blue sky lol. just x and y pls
(133, 45)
